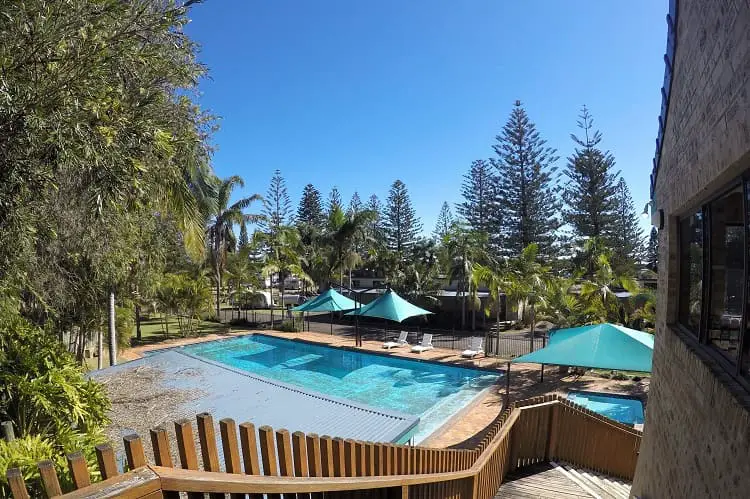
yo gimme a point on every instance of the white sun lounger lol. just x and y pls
(425, 345)
(398, 343)
(475, 348)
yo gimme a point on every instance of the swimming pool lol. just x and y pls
(622, 408)
(431, 391)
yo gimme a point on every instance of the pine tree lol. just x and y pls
(334, 200)
(244, 239)
(652, 250)
(589, 194)
(627, 236)
(444, 222)
(355, 205)
(310, 210)
(277, 208)
(527, 201)
(400, 222)
(479, 190)
(374, 231)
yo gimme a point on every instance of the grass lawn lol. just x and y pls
(153, 331)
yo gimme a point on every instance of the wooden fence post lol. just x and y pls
(79, 471)
(49, 478)
(134, 451)
(17, 484)
(250, 452)
(186, 448)
(105, 457)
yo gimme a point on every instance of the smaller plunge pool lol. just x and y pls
(622, 408)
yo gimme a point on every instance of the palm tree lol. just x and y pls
(498, 278)
(598, 291)
(283, 256)
(561, 307)
(463, 248)
(221, 228)
(529, 284)
(345, 232)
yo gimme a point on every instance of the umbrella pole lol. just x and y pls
(330, 314)
(541, 375)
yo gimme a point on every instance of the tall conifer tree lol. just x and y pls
(400, 222)
(277, 209)
(444, 222)
(590, 191)
(479, 207)
(334, 200)
(627, 236)
(355, 205)
(310, 210)
(527, 198)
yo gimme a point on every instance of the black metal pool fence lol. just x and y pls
(506, 344)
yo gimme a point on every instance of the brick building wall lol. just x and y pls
(697, 435)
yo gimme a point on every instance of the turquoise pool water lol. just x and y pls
(431, 391)
(628, 410)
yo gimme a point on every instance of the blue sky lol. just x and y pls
(359, 93)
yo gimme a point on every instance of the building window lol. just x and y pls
(727, 248)
(691, 272)
(714, 295)
(355, 283)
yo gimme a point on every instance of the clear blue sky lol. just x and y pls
(360, 93)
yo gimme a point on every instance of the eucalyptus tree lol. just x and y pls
(99, 134)
(220, 230)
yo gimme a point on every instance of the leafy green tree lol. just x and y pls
(283, 257)
(627, 235)
(528, 285)
(97, 153)
(221, 228)
(310, 210)
(589, 193)
(400, 221)
(375, 234)
(527, 201)
(444, 222)
(560, 306)
(479, 207)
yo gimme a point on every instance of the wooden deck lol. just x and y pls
(539, 481)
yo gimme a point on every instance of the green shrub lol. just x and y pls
(24, 453)
(619, 376)
(289, 326)
(44, 392)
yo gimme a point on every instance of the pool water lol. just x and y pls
(431, 391)
(628, 410)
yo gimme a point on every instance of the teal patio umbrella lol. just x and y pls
(330, 301)
(389, 306)
(599, 346)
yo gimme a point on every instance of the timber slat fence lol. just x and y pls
(280, 464)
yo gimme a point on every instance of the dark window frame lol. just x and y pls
(733, 367)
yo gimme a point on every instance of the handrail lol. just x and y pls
(542, 428)
(174, 479)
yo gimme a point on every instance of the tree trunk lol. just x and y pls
(99, 349)
(463, 308)
(497, 318)
(112, 330)
(218, 295)
(281, 292)
(138, 321)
